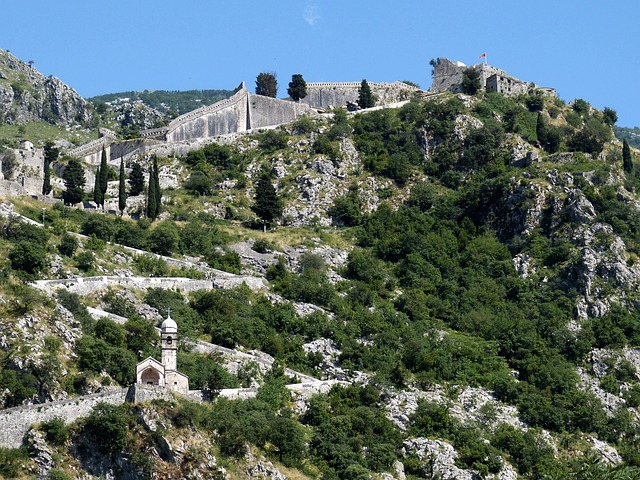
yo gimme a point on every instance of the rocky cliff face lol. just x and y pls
(26, 95)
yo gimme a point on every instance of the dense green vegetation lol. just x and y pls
(428, 299)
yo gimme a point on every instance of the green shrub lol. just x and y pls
(107, 427)
(11, 460)
(56, 432)
(68, 245)
(28, 257)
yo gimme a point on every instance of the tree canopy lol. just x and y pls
(297, 87)
(74, 181)
(267, 84)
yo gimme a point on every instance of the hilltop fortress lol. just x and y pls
(245, 111)
(447, 76)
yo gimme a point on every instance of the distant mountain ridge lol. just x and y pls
(165, 101)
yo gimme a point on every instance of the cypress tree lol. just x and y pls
(268, 205)
(297, 87)
(136, 180)
(122, 192)
(627, 160)
(151, 197)
(541, 130)
(103, 175)
(158, 191)
(74, 181)
(98, 196)
(365, 96)
(50, 155)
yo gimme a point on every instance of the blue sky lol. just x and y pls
(585, 49)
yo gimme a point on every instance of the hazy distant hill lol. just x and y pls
(162, 100)
(631, 135)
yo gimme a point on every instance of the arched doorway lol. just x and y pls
(150, 376)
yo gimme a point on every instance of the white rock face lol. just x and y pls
(439, 458)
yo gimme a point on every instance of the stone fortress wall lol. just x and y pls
(241, 112)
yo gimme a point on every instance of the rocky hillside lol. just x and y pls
(467, 266)
(26, 96)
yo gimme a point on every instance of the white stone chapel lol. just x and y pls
(165, 373)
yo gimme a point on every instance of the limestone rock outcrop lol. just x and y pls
(27, 95)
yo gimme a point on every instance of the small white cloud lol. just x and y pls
(311, 15)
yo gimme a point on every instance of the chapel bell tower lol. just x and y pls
(169, 343)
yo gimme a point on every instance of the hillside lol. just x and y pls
(26, 96)
(178, 102)
(466, 265)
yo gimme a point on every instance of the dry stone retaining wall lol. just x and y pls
(15, 422)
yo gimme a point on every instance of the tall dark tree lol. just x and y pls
(151, 197)
(104, 174)
(122, 190)
(268, 205)
(50, 155)
(154, 194)
(98, 196)
(136, 180)
(627, 159)
(471, 82)
(541, 126)
(366, 99)
(156, 179)
(297, 87)
(74, 181)
(266, 84)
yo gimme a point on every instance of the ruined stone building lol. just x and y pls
(165, 373)
(447, 76)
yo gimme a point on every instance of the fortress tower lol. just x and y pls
(165, 373)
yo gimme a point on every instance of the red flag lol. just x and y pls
(484, 55)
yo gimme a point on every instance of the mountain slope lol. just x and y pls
(26, 96)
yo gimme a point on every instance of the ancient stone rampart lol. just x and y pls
(91, 152)
(15, 422)
(225, 116)
(339, 94)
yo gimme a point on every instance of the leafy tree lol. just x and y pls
(107, 427)
(164, 238)
(122, 191)
(471, 83)
(28, 257)
(50, 155)
(366, 99)
(610, 116)
(535, 102)
(74, 181)
(266, 84)
(297, 87)
(136, 180)
(68, 245)
(268, 205)
(627, 159)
